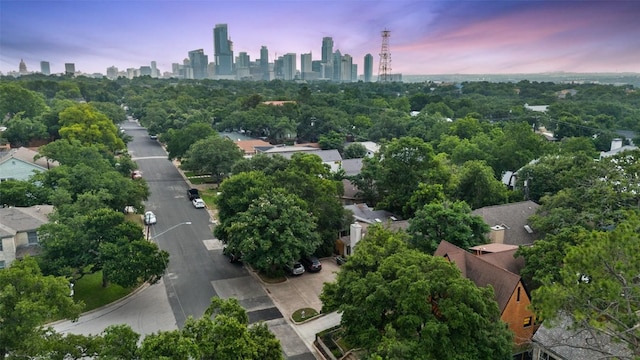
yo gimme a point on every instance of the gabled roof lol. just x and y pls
(250, 147)
(352, 167)
(481, 272)
(21, 219)
(513, 217)
(27, 155)
(565, 343)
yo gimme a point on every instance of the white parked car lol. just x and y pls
(150, 218)
(198, 203)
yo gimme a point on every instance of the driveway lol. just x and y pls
(303, 291)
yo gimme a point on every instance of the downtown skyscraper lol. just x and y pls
(222, 50)
(198, 61)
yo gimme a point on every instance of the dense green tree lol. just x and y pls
(354, 151)
(20, 130)
(22, 193)
(448, 221)
(478, 186)
(598, 287)
(16, 99)
(101, 240)
(180, 140)
(84, 123)
(400, 303)
(27, 300)
(213, 155)
(276, 230)
(333, 140)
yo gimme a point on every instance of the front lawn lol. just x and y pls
(89, 289)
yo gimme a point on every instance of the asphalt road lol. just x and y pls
(197, 270)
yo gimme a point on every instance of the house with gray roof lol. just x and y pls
(562, 342)
(332, 157)
(18, 231)
(509, 223)
(21, 163)
(363, 217)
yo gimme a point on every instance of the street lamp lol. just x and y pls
(169, 229)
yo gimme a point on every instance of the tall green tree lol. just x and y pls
(213, 155)
(404, 304)
(598, 287)
(27, 300)
(276, 230)
(84, 123)
(21, 130)
(180, 140)
(448, 221)
(478, 186)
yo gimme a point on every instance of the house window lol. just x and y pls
(2, 264)
(32, 237)
(518, 294)
(527, 321)
(1, 245)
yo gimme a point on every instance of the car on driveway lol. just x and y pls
(198, 203)
(311, 263)
(295, 269)
(150, 218)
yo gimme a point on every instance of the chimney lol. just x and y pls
(616, 144)
(497, 234)
(355, 235)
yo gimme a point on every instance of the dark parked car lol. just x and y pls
(311, 263)
(234, 256)
(193, 194)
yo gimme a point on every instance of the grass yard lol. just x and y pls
(89, 289)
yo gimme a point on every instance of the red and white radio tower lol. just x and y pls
(384, 69)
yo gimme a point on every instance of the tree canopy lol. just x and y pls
(402, 303)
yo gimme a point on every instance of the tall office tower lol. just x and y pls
(243, 64)
(354, 72)
(337, 66)
(69, 68)
(384, 68)
(327, 49)
(154, 70)
(45, 68)
(145, 71)
(264, 62)
(112, 73)
(345, 68)
(278, 66)
(289, 66)
(175, 69)
(305, 66)
(222, 50)
(22, 67)
(368, 68)
(199, 62)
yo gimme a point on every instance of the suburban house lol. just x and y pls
(20, 164)
(616, 148)
(500, 270)
(562, 343)
(363, 217)
(18, 231)
(509, 223)
(329, 157)
(253, 146)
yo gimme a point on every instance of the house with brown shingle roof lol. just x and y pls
(496, 270)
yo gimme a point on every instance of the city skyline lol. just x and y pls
(427, 37)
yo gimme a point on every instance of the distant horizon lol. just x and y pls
(427, 37)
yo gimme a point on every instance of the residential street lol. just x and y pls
(197, 270)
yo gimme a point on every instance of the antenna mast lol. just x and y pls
(384, 69)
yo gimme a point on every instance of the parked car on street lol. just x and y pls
(193, 193)
(233, 255)
(136, 174)
(150, 218)
(295, 269)
(311, 263)
(198, 203)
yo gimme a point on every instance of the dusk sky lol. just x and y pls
(427, 37)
